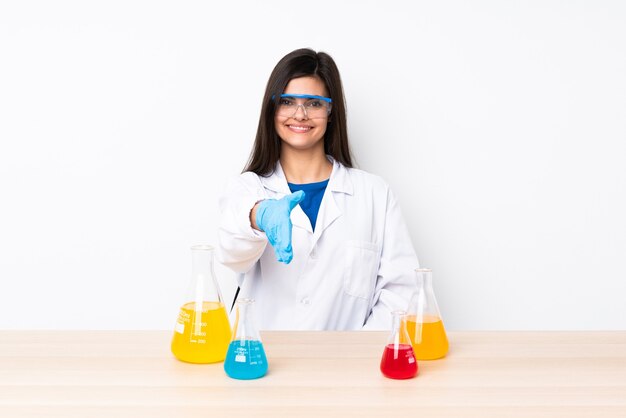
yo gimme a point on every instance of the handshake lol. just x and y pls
(273, 218)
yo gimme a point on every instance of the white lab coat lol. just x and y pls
(349, 274)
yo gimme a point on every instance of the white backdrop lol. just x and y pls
(501, 126)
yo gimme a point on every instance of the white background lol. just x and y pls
(501, 126)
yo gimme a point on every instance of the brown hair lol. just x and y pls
(300, 63)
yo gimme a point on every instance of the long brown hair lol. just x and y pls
(300, 63)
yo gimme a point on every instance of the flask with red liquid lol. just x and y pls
(398, 361)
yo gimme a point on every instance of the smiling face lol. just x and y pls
(299, 131)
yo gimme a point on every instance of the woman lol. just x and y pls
(340, 256)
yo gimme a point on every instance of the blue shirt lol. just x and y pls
(313, 193)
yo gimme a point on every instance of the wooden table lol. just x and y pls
(313, 374)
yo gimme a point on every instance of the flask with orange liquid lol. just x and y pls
(202, 331)
(423, 322)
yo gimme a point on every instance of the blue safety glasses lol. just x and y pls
(313, 107)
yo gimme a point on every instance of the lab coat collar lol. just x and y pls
(339, 179)
(329, 211)
(276, 181)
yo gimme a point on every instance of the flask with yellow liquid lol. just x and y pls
(423, 322)
(202, 331)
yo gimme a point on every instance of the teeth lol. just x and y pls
(300, 128)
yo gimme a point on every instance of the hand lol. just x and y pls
(273, 217)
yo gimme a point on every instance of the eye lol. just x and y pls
(314, 103)
(286, 101)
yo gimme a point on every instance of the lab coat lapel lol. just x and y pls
(329, 210)
(299, 219)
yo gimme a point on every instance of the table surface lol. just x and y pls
(313, 374)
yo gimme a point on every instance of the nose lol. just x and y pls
(302, 115)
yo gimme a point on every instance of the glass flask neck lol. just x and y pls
(396, 320)
(202, 260)
(423, 305)
(398, 328)
(204, 286)
(424, 278)
(244, 323)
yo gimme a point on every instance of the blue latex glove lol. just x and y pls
(273, 217)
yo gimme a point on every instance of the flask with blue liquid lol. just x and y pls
(245, 358)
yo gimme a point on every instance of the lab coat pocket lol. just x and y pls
(360, 268)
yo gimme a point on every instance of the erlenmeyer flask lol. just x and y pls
(202, 331)
(246, 357)
(424, 323)
(398, 361)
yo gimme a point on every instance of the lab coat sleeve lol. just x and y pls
(240, 246)
(395, 283)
